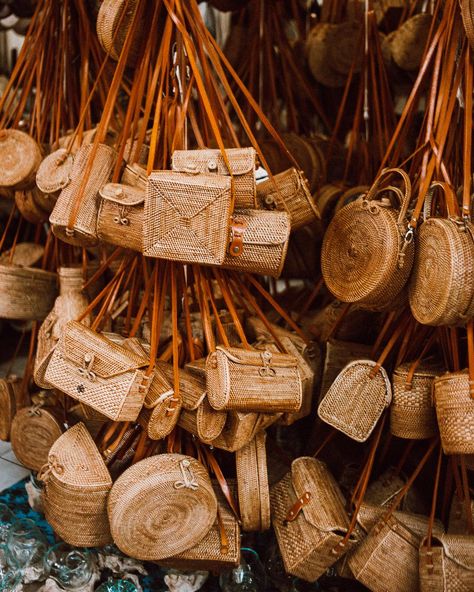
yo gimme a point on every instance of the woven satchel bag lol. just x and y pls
(447, 564)
(247, 380)
(309, 519)
(211, 162)
(120, 216)
(99, 373)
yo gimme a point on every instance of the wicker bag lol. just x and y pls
(211, 162)
(20, 157)
(458, 518)
(448, 564)
(241, 427)
(77, 484)
(252, 484)
(55, 171)
(28, 203)
(120, 218)
(114, 20)
(186, 217)
(289, 191)
(247, 380)
(408, 42)
(367, 253)
(97, 372)
(80, 227)
(10, 400)
(161, 506)
(309, 519)
(261, 241)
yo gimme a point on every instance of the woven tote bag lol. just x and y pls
(367, 254)
(448, 564)
(77, 484)
(289, 192)
(309, 519)
(82, 229)
(246, 380)
(252, 484)
(187, 217)
(26, 293)
(211, 162)
(10, 398)
(99, 373)
(161, 506)
(20, 157)
(55, 171)
(120, 216)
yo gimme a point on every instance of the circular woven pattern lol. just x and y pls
(346, 51)
(54, 172)
(33, 432)
(209, 422)
(319, 45)
(409, 41)
(20, 156)
(26, 293)
(113, 26)
(161, 506)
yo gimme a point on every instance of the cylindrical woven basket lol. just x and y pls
(26, 293)
(20, 157)
(113, 22)
(28, 204)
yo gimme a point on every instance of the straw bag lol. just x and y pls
(114, 20)
(448, 564)
(55, 171)
(240, 429)
(387, 486)
(120, 217)
(309, 519)
(161, 506)
(458, 518)
(262, 240)
(77, 484)
(441, 287)
(33, 431)
(248, 380)
(252, 484)
(289, 191)
(408, 42)
(186, 217)
(104, 375)
(211, 162)
(367, 252)
(20, 157)
(74, 217)
(10, 398)
(28, 203)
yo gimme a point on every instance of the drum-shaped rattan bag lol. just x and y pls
(161, 506)
(367, 253)
(114, 20)
(408, 42)
(10, 399)
(448, 564)
(20, 157)
(55, 171)
(26, 293)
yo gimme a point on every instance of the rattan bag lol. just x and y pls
(10, 399)
(241, 427)
(20, 157)
(448, 564)
(55, 171)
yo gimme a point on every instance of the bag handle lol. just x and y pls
(468, 73)
(371, 194)
(429, 537)
(449, 198)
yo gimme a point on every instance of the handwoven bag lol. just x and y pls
(247, 380)
(252, 484)
(28, 204)
(309, 519)
(114, 20)
(289, 191)
(120, 217)
(408, 42)
(261, 241)
(83, 230)
(367, 253)
(241, 427)
(26, 293)
(10, 399)
(77, 485)
(97, 372)
(441, 289)
(55, 171)
(211, 162)
(161, 506)
(458, 519)
(448, 564)
(382, 491)
(20, 157)
(187, 217)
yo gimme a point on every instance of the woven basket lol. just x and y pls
(33, 431)
(455, 412)
(369, 515)
(448, 566)
(114, 20)
(77, 484)
(309, 519)
(84, 230)
(356, 399)
(408, 43)
(252, 484)
(309, 158)
(55, 171)
(28, 204)
(120, 217)
(412, 413)
(382, 491)
(10, 398)
(161, 506)
(240, 429)
(319, 46)
(26, 293)
(20, 157)
(22, 254)
(458, 523)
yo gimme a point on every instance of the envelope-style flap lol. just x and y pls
(241, 160)
(459, 548)
(122, 195)
(263, 227)
(96, 354)
(325, 508)
(192, 388)
(259, 358)
(287, 183)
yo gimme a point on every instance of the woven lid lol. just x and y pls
(459, 548)
(161, 506)
(23, 254)
(242, 161)
(54, 172)
(123, 195)
(20, 156)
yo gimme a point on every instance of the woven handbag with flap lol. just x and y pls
(211, 162)
(447, 564)
(99, 373)
(54, 172)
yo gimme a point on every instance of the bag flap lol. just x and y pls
(192, 388)
(123, 195)
(89, 350)
(459, 548)
(264, 227)
(325, 508)
(242, 161)
(254, 358)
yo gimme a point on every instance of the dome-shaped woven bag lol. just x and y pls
(367, 253)
(20, 156)
(161, 506)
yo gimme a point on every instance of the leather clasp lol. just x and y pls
(237, 231)
(297, 507)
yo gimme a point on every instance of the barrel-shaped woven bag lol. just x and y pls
(26, 293)
(408, 42)
(161, 506)
(20, 157)
(447, 564)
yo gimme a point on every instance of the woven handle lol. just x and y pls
(405, 200)
(449, 197)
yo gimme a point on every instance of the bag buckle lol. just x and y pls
(237, 230)
(297, 507)
(266, 369)
(86, 367)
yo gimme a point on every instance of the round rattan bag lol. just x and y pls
(161, 506)
(114, 20)
(54, 173)
(20, 156)
(367, 254)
